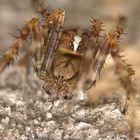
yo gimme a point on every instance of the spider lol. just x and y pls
(69, 73)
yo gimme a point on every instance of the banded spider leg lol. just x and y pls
(89, 75)
(89, 47)
(55, 22)
(9, 55)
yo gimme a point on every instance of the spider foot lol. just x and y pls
(89, 84)
(125, 106)
(79, 96)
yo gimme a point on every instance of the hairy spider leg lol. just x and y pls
(9, 55)
(36, 43)
(55, 22)
(90, 50)
(104, 51)
(125, 72)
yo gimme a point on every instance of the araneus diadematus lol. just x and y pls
(67, 72)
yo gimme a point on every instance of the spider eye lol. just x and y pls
(48, 91)
(67, 97)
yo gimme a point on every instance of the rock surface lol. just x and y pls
(31, 114)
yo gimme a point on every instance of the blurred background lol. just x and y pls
(14, 13)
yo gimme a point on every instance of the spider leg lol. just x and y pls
(36, 44)
(9, 55)
(55, 22)
(90, 49)
(131, 107)
(91, 75)
(124, 72)
(30, 29)
(52, 29)
(24, 62)
(37, 41)
(36, 36)
(98, 63)
(109, 42)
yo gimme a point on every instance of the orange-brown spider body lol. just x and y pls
(64, 70)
